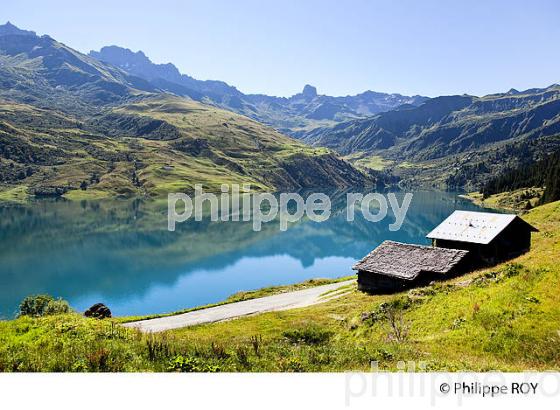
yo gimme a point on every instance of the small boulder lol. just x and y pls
(98, 311)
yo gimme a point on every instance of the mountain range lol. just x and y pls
(452, 141)
(71, 124)
(114, 123)
(291, 116)
(447, 142)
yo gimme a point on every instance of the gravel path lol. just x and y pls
(282, 301)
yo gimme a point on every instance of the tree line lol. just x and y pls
(544, 173)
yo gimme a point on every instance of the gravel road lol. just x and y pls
(282, 301)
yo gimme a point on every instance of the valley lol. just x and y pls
(454, 141)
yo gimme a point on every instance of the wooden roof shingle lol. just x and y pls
(406, 261)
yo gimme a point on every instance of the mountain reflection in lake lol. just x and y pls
(120, 252)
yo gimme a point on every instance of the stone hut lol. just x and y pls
(489, 237)
(395, 266)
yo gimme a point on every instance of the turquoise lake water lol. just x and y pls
(120, 252)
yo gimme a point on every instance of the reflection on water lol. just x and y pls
(120, 252)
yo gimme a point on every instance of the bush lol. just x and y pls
(513, 269)
(381, 313)
(41, 305)
(57, 307)
(398, 327)
(34, 305)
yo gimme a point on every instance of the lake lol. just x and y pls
(120, 252)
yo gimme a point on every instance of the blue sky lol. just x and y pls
(342, 47)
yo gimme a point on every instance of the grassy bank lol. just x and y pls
(17, 195)
(519, 200)
(504, 318)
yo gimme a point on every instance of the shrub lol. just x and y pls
(385, 308)
(486, 278)
(513, 269)
(383, 354)
(42, 305)
(34, 305)
(374, 316)
(400, 303)
(398, 327)
(57, 307)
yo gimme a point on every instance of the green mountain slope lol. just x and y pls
(456, 140)
(69, 123)
(544, 173)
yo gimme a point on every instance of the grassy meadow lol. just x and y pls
(503, 318)
(152, 146)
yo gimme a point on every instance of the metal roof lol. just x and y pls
(474, 227)
(407, 261)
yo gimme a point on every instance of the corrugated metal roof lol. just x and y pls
(407, 261)
(474, 227)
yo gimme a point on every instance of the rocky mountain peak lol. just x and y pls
(136, 63)
(9, 29)
(120, 55)
(309, 91)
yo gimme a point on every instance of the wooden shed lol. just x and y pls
(394, 266)
(489, 237)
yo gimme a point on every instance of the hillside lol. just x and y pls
(72, 125)
(453, 141)
(293, 116)
(544, 173)
(504, 318)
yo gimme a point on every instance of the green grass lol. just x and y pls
(90, 194)
(518, 200)
(375, 162)
(504, 318)
(18, 194)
